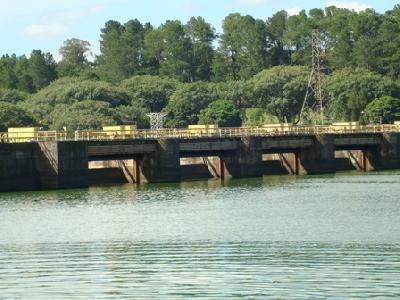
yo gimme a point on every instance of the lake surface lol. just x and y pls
(316, 237)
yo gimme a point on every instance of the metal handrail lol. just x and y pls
(226, 132)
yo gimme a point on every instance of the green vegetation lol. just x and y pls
(13, 116)
(86, 114)
(187, 101)
(382, 110)
(259, 68)
(280, 91)
(222, 113)
(150, 92)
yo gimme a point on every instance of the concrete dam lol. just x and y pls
(44, 165)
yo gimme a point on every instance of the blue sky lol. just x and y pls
(45, 24)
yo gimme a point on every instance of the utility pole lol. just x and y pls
(314, 86)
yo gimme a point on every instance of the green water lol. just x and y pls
(316, 237)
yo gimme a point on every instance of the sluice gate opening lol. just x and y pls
(281, 163)
(201, 168)
(352, 160)
(112, 172)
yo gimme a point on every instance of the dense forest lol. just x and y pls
(253, 72)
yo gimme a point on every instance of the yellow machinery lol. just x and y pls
(31, 134)
(22, 134)
(202, 129)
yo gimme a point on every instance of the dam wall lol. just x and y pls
(75, 164)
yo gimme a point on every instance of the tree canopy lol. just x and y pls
(150, 92)
(187, 101)
(12, 115)
(382, 111)
(87, 114)
(350, 90)
(74, 57)
(222, 113)
(281, 91)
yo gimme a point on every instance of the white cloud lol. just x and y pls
(51, 26)
(42, 31)
(57, 24)
(356, 6)
(293, 11)
(252, 2)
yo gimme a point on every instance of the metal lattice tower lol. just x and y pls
(157, 120)
(319, 46)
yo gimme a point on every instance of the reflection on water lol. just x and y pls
(335, 236)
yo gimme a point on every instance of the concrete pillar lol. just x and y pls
(389, 152)
(136, 171)
(164, 165)
(246, 161)
(17, 167)
(320, 158)
(62, 164)
(221, 168)
(365, 165)
(296, 163)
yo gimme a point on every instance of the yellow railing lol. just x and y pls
(232, 132)
(40, 136)
(80, 135)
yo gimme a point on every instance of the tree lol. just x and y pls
(257, 117)
(170, 49)
(74, 57)
(25, 81)
(201, 35)
(8, 77)
(350, 90)
(240, 93)
(187, 102)
(243, 46)
(222, 113)
(150, 92)
(365, 34)
(388, 51)
(297, 37)
(133, 46)
(68, 91)
(12, 115)
(42, 69)
(130, 114)
(338, 25)
(281, 90)
(384, 110)
(153, 50)
(276, 27)
(122, 50)
(11, 96)
(87, 114)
